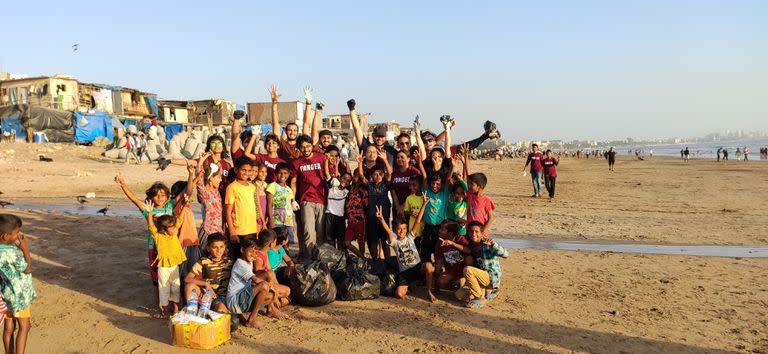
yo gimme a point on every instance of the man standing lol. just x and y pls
(379, 136)
(610, 155)
(720, 149)
(686, 152)
(307, 179)
(289, 149)
(534, 159)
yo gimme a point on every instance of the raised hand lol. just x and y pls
(319, 105)
(417, 123)
(149, 206)
(119, 179)
(379, 213)
(351, 104)
(308, 94)
(424, 197)
(274, 93)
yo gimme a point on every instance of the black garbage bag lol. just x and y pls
(311, 285)
(358, 284)
(386, 271)
(333, 258)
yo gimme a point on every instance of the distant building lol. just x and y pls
(57, 92)
(289, 112)
(342, 123)
(207, 112)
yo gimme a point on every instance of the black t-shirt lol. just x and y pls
(379, 196)
(445, 170)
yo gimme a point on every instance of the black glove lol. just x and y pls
(320, 105)
(351, 104)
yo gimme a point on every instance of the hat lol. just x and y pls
(325, 132)
(380, 131)
(427, 133)
(438, 148)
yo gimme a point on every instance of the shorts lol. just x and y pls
(245, 300)
(334, 227)
(25, 313)
(411, 275)
(153, 265)
(355, 232)
(455, 272)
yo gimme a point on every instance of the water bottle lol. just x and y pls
(206, 305)
(192, 303)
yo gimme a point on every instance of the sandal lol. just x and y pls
(489, 297)
(475, 304)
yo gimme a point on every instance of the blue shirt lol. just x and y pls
(487, 259)
(434, 214)
(242, 272)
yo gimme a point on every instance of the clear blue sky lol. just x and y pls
(558, 69)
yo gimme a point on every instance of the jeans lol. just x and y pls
(312, 226)
(536, 179)
(549, 183)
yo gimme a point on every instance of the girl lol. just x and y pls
(208, 181)
(402, 175)
(270, 159)
(217, 154)
(371, 161)
(169, 256)
(268, 240)
(280, 201)
(260, 170)
(187, 232)
(18, 288)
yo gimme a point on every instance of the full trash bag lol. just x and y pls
(311, 285)
(333, 258)
(386, 271)
(357, 284)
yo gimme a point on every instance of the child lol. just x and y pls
(211, 272)
(208, 180)
(451, 256)
(378, 196)
(437, 201)
(241, 213)
(18, 288)
(279, 261)
(246, 292)
(280, 200)
(261, 267)
(408, 261)
(413, 205)
(550, 172)
(484, 277)
(169, 256)
(334, 209)
(480, 206)
(260, 181)
(356, 205)
(456, 211)
(187, 232)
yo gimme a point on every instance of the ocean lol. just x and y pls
(701, 150)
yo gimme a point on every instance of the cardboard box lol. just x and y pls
(201, 336)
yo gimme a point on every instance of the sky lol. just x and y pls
(540, 70)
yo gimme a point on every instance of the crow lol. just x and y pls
(82, 199)
(162, 164)
(103, 210)
(45, 159)
(3, 203)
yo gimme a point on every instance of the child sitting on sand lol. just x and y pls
(451, 256)
(484, 277)
(169, 256)
(279, 261)
(247, 293)
(409, 263)
(212, 272)
(18, 288)
(261, 267)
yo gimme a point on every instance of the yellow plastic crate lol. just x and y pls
(201, 336)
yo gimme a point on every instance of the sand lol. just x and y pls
(93, 283)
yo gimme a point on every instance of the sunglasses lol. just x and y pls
(217, 143)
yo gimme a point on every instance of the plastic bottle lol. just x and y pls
(192, 303)
(206, 304)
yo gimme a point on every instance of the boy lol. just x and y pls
(484, 278)
(334, 210)
(413, 204)
(357, 204)
(409, 263)
(18, 288)
(212, 272)
(435, 212)
(279, 261)
(241, 213)
(246, 292)
(451, 256)
(280, 200)
(378, 198)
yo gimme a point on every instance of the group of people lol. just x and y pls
(741, 153)
(404, 201)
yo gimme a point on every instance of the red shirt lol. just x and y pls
(534, 159)
(318, 149)
(401, 182)
(479, 207)
(310, 179)
(357, 202)
(288, 152)
(453, 259)
(271, 163)
(549, 164)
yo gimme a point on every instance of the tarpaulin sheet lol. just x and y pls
(151, 103)
(91, 126)
(12, 123)
(172, 129)
(41, 118)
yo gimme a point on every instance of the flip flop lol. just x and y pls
(491, 296)
(475, 304)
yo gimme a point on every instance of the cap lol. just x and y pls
(380, 131)
(325, 132)
(427, 133)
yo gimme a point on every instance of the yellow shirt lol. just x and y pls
(413, 205)
(169, 251)
(241, 197)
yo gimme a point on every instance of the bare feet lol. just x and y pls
(432, 297)
(253, 323)
(274, 312)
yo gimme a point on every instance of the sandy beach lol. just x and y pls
(93, 283)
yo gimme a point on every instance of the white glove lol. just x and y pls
(294, 205)
(308, 93)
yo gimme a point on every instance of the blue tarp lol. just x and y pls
(172, 129)
(152, 103)
(91, 126)
(11, 123)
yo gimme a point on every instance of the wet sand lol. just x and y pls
(93, 283)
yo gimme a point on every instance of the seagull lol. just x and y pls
(162, 164)
(82, 199)
(103, 210)
(3, 203)
(75, 47)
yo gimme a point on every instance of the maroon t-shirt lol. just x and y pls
(288, 152)
(271, 163)
(534, 159)
(453, 259)
(401, 182)
(549, 164)
(310, 179)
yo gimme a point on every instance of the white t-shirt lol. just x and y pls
(406, 252)
(336, 200)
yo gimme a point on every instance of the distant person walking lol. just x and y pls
(682, 154)
(610, 155)
(725, 154)
(534, 159)
(738, 154)
(686, 153)
(746, 153)
(719, 150)
(550, 172)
